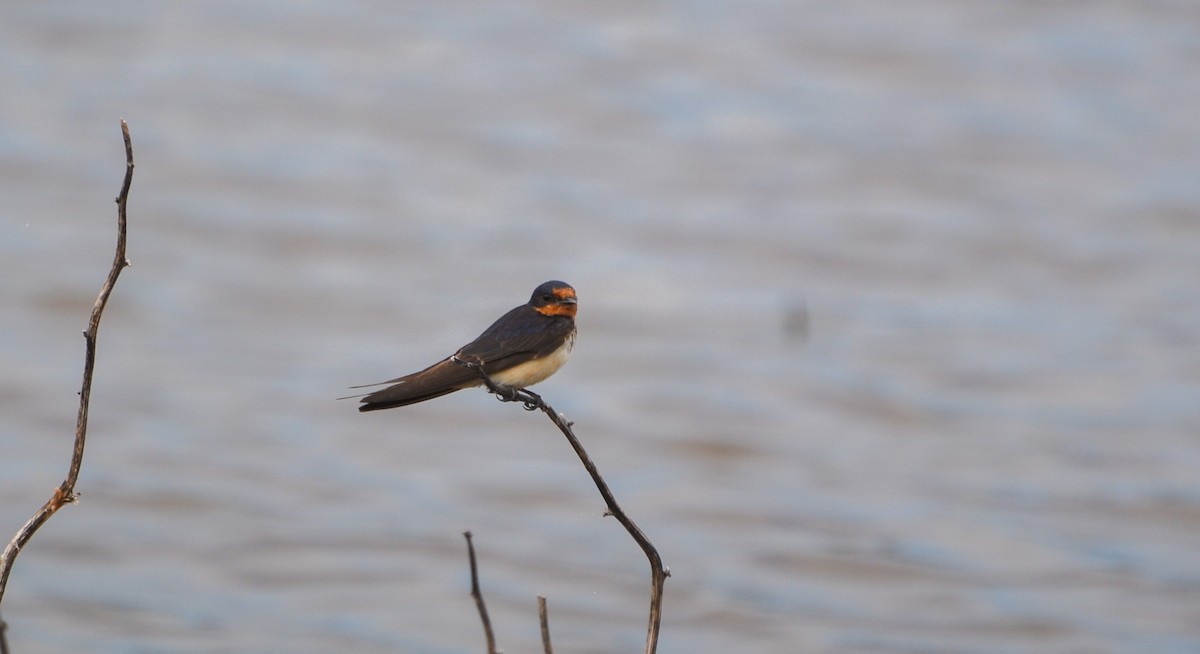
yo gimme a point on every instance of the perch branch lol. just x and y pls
(478, 595)
(658, 574)
(65, 492)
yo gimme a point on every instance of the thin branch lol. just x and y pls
(544, 619)
(3, 639)
(65, 492)
(478, 595)
(658, 573)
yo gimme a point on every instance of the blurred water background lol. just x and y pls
(889, 327)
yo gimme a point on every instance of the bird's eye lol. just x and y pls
(547, 297)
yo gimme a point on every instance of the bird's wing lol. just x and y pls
(515, 339)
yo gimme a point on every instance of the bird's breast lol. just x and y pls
(533, 371)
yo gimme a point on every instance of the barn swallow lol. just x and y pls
(525, 346)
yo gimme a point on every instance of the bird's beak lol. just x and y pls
(567, 300)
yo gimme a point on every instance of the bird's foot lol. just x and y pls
(526, 397)
(506, 393)
(532, 400)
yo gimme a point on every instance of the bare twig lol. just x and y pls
(658, 573)
(65, 492)
(544, 619)
(478, 595)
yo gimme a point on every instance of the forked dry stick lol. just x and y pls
(65, 493)
(658, 574)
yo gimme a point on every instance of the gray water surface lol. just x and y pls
(889, 327)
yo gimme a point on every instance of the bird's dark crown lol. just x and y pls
(552, 292)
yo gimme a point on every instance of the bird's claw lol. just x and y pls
(506, 395)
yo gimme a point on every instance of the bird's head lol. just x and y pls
(554, 298)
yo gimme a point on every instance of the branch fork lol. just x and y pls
(532, 401)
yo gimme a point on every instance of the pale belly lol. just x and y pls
(531, 372)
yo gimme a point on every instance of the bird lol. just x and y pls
(525, 346)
